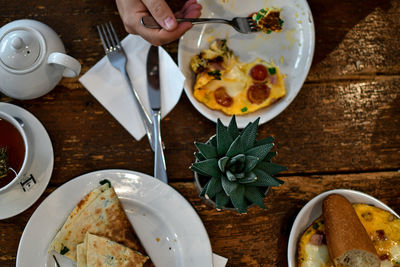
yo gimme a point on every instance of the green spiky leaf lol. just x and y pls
(236, 165)
(240, 175)
(231, 177)
(224, 140)
(227, 185)
(250, 177)
(212, 141)
(204, 189)
(199, 156)
(251, 162)
(249, 134)
(222, 163)
(254, 195)
(263, 179)
(214, 187)
(270, 155)
(233, 130)
(259, 151)
(267, 140)
(221, 200)
(271, 168)
(208, 167)
(207, 150)
(238, 200)
(235, 148)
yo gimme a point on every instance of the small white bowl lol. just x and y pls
(313, 209)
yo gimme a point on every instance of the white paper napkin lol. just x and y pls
(219, 261)
(108, 85)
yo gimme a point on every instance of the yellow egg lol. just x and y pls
(233, 87)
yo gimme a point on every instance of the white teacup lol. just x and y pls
(13, 135)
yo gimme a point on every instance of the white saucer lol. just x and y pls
(14, 200)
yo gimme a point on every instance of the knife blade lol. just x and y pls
(154, 94)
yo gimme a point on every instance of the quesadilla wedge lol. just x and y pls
(99, 251)
(100, 213)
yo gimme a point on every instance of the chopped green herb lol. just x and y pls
(105, 181)
(258, 16)
(272, 71)
(216, 74)
(3, 162)
(281, 22)
(55, 259)
(269, 31)
(315, 226)
(244, 109)
(64, 250)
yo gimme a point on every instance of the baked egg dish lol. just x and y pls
(225, 83)
(382, 227)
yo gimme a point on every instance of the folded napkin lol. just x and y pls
(108, 85)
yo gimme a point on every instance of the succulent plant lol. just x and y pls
(237, 166)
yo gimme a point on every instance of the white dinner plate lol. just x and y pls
(15, 200)
(291, 50)
(313, 209)
(167, 225)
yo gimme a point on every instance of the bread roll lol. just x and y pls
(347, 240)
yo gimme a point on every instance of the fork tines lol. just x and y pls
(252, 24)
(108, 37)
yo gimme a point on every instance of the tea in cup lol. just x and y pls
(14, 151)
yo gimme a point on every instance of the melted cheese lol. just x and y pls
(317, 256)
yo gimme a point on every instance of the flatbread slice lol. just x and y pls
(81, 255)
(99, 251)
(100, 213)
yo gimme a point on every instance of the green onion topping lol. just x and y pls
(272, 71)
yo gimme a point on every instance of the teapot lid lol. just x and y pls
(19, 48)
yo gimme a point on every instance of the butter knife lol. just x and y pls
(154, 93)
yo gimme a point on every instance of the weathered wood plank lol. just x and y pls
(258, 238)
(342, 127)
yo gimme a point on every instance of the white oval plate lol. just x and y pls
(167, 225)
(313, 209)
(14, 200)
(295, 45)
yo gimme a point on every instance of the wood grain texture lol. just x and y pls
(341, 131)
(258, 238)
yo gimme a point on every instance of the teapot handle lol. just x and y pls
(72, 66)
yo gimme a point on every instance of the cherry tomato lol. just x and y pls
(222, 97)
(259, 72)
(258, 92)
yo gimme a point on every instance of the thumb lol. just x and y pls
(161, 12)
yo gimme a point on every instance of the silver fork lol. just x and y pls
(116, 55)
(241, 24)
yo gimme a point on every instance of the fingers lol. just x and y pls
(191, 9)
(160, 37)
(161, 12)
(132, 11)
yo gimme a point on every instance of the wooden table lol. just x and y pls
(341, 131)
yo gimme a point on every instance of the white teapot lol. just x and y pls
(32, 59)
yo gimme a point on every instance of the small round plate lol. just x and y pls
(15, 200)
(291, 50)
(313, 209)
(167, 225)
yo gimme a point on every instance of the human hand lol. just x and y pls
(131, 12)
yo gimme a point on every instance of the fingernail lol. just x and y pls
(169, 23)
